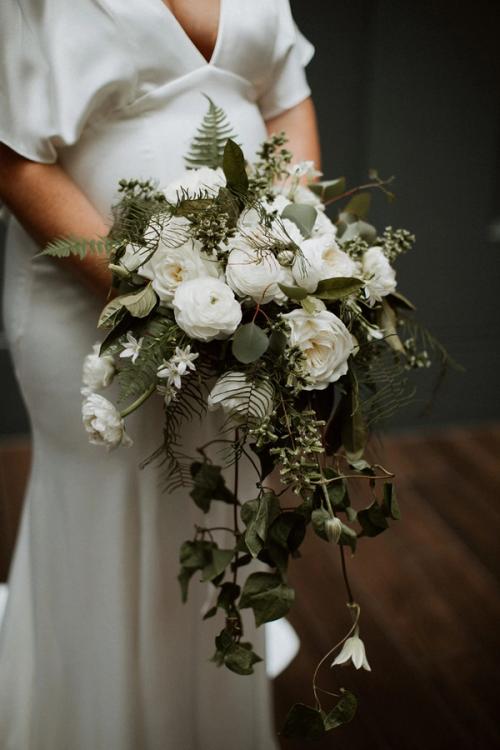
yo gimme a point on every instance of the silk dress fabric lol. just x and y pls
(97, 652)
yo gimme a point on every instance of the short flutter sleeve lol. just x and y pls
(61, 65)
(286, 84)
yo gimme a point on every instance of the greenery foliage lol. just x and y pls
(313, 436)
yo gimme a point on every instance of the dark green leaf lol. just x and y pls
(249, 343)
(268, 597)
(319, 517)
(233, 164)
(277, 341)
(210, 613)
(337, 288)
(390, 504)
(303, 216)
(372, 520)
(228, 594)
(208, 485)
(343, 712)
(303, 722)
(266, 460)
(219, 560)
(240, 658)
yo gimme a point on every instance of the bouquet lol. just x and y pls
(234, 290)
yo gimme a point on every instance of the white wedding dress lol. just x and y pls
(97, 652)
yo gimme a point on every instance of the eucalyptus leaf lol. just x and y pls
(327, 190)
(337, 287)
(249, 343)
(294, 292)
(357, 229)
(303, 216)
(359, 205)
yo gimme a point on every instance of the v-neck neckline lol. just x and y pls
(183, 32)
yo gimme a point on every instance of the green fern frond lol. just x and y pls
(207, 146)
(63, 247)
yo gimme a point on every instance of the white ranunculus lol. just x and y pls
(379, 275)
(325, 343)
(253, 274)
(321, 259)
(195, 180)
(206, 309)
(240, 398)
(97, 372)
(103, 422)
(170, 266)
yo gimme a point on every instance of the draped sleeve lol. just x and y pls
(62, 64)
(286, 84)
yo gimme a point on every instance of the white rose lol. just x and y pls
(103, 422)
(325, 342)
(254, 274)
(193, 181)
(321, 259)
(379, 275)
(170, 266)
(241, 398)
(97, 371)
(206, 309)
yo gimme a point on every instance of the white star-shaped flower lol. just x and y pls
(353, 649)
(132, 347)
(169, 371)
(184, 358)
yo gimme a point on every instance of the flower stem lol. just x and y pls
(235, 505)
(138, 402)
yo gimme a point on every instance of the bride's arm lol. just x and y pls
(48, 204)
(301, 126)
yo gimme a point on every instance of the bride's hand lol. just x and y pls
(48, 204)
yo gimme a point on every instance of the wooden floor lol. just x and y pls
(429, 594)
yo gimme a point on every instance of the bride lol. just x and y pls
(96, 650)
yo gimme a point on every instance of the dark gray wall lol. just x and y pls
(412, 88)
